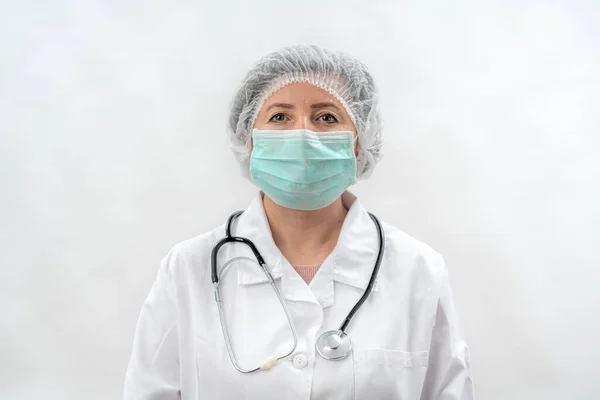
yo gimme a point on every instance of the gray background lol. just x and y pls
(113, 148)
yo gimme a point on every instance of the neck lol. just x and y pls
(305, 237)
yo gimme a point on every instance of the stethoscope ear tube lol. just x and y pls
(367, 292)
(213, 260)
(230, 221)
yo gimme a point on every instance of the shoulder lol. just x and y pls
(409, 255)
(191, 256)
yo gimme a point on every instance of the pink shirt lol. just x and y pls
(307, 272)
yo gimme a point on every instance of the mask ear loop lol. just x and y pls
(357, 151)
(361, 158)
(355, 145)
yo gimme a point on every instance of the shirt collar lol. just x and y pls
(353, 257)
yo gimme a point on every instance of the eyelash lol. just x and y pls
(335, 120)
(272, 119)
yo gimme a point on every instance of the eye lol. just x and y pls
(279, 117)
(328, 118)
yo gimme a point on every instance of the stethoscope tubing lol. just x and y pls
(229, 238)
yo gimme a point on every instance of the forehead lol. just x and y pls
(303, 92)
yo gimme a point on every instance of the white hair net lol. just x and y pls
(341, 75)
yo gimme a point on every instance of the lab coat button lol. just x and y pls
(300, 361)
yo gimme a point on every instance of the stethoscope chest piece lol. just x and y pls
(334, 345)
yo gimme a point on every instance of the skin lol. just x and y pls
(304, 237)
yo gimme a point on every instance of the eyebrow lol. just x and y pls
(315, 106)
(324, 105)
(280, 105)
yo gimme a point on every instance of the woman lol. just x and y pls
(304, 126)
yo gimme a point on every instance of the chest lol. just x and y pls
(390, 336)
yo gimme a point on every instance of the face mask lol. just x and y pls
(301, 169)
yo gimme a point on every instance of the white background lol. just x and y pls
(113, 148)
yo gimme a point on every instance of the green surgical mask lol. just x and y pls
(302, 169)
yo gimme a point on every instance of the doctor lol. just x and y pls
(219, 323)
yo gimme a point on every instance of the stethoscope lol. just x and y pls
(331, 345)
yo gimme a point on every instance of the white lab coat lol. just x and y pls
(407, 340)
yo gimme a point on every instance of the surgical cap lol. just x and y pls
(346, 78)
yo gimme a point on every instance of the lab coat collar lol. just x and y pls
(357, 248)
(351, 262)
(253, 225)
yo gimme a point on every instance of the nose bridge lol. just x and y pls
(302, 120)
